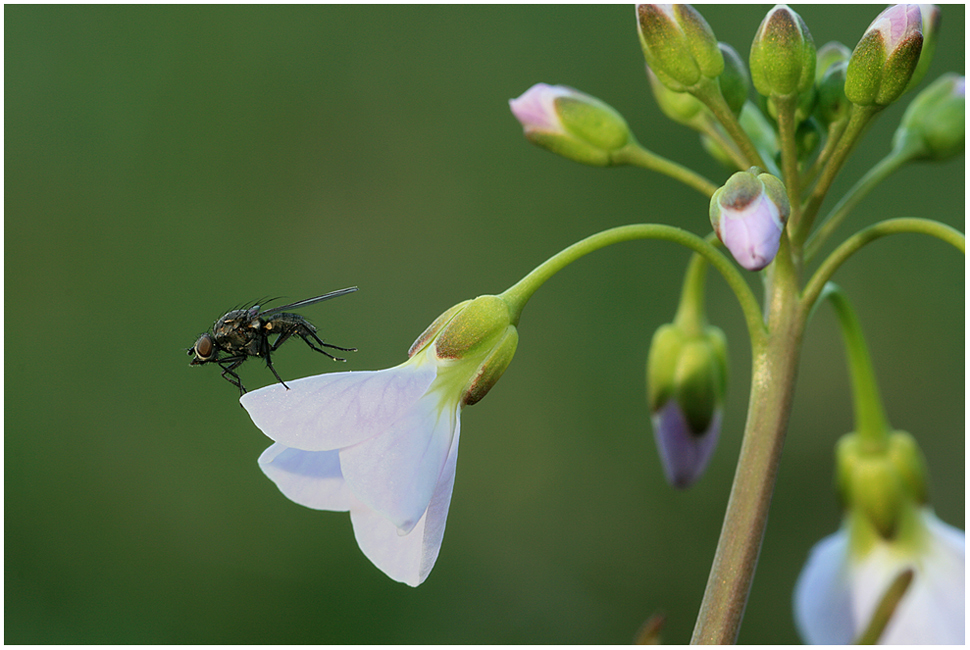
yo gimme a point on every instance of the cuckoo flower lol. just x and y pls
(383, 444)
(838, 589)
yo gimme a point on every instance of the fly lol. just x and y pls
(244, 333)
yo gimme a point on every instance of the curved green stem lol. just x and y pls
(866, 184)
(518, 294)
(634, 154)
(891, 226)
(871, 423)
(691, 314)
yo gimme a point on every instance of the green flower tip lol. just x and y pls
(933, 125)
(782, 54)
(571, 123)
(679, 45)
(883, 63)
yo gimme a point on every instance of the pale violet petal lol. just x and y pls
(933, 609)
(407, 558)
(337, 409)
(823, 594)
(309, 478)
(396, 472)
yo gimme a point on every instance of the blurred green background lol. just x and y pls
(164, 164)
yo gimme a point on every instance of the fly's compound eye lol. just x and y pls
(204, 347)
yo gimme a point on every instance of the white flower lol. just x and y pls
(839, 588)
(383, 444)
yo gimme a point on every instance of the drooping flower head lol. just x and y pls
(384, 444)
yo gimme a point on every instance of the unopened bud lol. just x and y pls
(570, 123)
(748, 214)
(678, 44)
(933, 125)
(686, 383)
(930, 16)
(782, 54)
(883, 62)
(735, 82)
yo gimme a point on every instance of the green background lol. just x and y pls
(164, 164)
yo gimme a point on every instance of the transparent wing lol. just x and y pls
(309, 301)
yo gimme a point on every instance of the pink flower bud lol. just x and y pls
(748, 214)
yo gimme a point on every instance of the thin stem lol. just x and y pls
(789, 157)
(891, 226)
(518, 294)
(835, 131)
(870, 418)
(709, 92)
(634, 154)
(892, 162)
(691, 314)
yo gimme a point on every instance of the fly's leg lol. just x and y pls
(265, 350)
(230, 376)
(304, 332)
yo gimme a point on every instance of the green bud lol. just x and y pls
(678, 45)
(570, 123)
(682, 108)
(883, 62)
(930, 16)
(782, 54)
(828, 55)
(833, 105)
(932, 128)
(734, 81)
(690, 369)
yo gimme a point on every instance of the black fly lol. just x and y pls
(244, 333)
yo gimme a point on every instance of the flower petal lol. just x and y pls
(309, 478)
(337, 409)
(823, 594)
(407, 558)
(933, 610)
(396, 472)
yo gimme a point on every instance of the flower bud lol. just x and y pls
(749, 213)
(678, 45)
(828, 55)
(479, 336)
(570, 123)
(883, 62)
(682, 108)
(832, 104)
(782, 54)
(734, 81)
(933, 125)
(930, 16)
(686, 383)
(879, 484)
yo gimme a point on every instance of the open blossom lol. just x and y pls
(383, 444)
(840, 586)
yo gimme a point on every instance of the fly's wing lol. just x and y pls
(309, 301)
